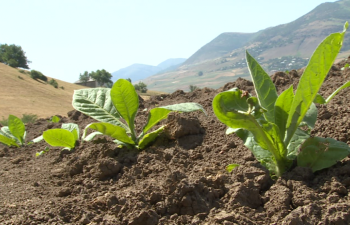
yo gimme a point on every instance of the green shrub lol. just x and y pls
(4, 122)
(29, 118)
(54, 83)
(37, 75)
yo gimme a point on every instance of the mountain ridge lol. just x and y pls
(280, 48)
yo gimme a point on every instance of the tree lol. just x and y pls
(13, 55)
(200, 73)
(37, 75)
(84, 77)
(129, 80)
(102, 77)
(142, 87)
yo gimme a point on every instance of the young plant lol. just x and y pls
(55, 119)
(14, 134)
(270, 125)
(116, 108)
(65, 137)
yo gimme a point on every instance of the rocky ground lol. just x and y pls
(181, 179)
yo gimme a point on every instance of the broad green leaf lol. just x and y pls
(72, 127)
(149, 138)
(312, 79)
(230, 108)
(319, 153)
(282, 107)
(91, 136)
(155, 116)
(319, 99)
(262, 155)
(230, 167)
(17, 128)
(264, 87)
(185, 107)
(59, 137)
(274, 134)
(111, 130)
(310, 116)
(347, 84)
(299, 137)
(55, 119)
(8, 141)
(6, 132)
(126, 101)
(97, 103)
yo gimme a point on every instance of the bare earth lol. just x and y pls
(179, 180)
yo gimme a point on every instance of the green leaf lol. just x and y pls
(111, 130)
(149, 138)
(282, 107)
(6, 132)
(230, 167)
(347, 84)
(17, 128)
(299, 137)
(155, 116)
(312, 79)
(264, 87)
(59, 137)
(310, 117)
(262, 155)
(185, 107)
(91, 136)
(97, 103)
(8, 141)
(320, 153)
(319, 99)
(126, 101)
(72, 127)
(55, 119)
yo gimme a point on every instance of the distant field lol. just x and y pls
(20, 94)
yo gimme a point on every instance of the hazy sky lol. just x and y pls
(63, 38)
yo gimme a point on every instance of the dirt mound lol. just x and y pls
(181, 179)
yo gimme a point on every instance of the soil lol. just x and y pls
(181, 179)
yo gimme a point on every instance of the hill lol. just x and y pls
(284, 47)
(20, 94)
(138, 72)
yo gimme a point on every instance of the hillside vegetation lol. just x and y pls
(281, 48)
(20, 94)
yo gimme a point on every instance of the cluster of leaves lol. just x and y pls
(37, 75)
(116, 109)
(101, 76)
(270, 125)
(14, 134)
(141, 87)
(13, 55)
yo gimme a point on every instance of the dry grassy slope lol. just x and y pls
(28, 96)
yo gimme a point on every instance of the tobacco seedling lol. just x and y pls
(270, 125)
(14, 134)
(55, 119)
(66, 137)
(116, 109)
